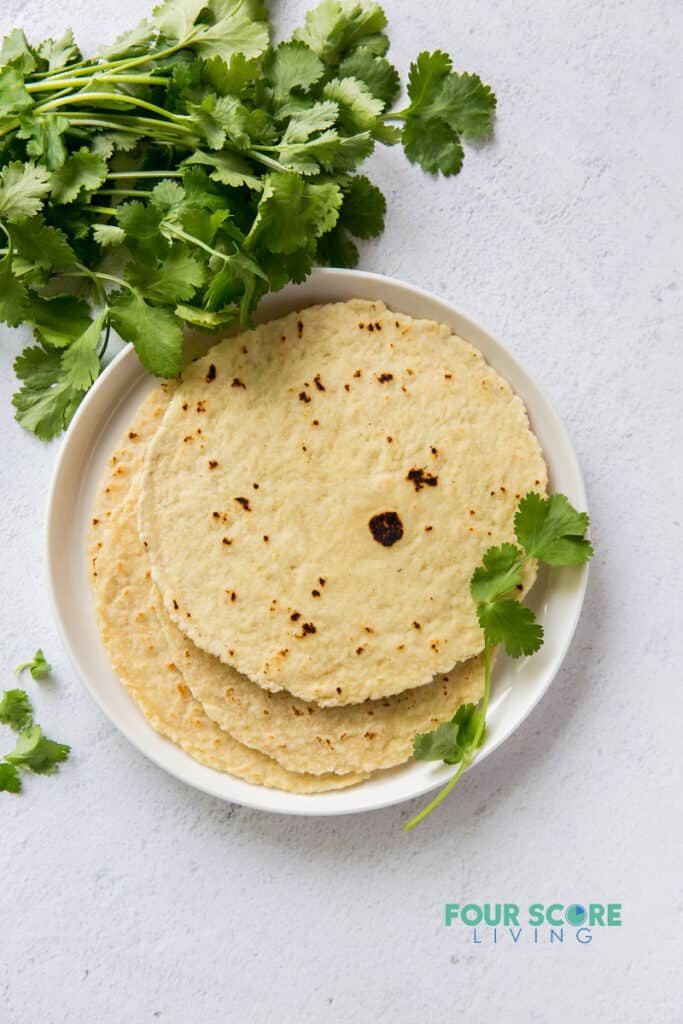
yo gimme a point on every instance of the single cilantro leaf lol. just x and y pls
(230, 78)
(309, 157)
(59, 52)
(433, 145)
(512, 624)
(175, 18)
(58, 319)
(41, 245)
(14, 97)
(36, 753)
(294, 66)
(14, 299)
(168, 196)
(172, 280)
(315, 117)
(427, 74)
(551, 529)
(154, 331)
(499, 574)
(452, 741)
(292, 211)
(108, 234)
(337, 248)
(203, 318)
(10, 781)
(46, 402)
(16, 50)
(80, 361)
(133, 43)
(363, 208)
(359, 110)
(23, 187)
(82, 171)
(335, 27)
(16, 710)
(351, 151)
(235, 32)
(228, 168)
(466, 104)
(39, 667)
(45, 138)
(380, 77)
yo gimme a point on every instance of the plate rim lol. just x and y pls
(304, 804)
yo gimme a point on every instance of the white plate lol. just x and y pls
(98, 425)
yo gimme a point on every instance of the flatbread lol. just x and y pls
(138, 653)
(320, 491)
(125, 463)
(303, 736)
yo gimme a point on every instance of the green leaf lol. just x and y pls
(80, 361)
(380, 77)
(433, 145)
(175, 18)
(36, 753)
(17, 51)
(41, 245)
(335, 27)
(168, 196)
(14, 97)
(500, 573)
(46, 403)
(204, 318)
(230, 78)
(359, 110)
(10, 782)
(363, 208)
(154, 331)
(23, 187)
(309, 157)
(228, 168)
(60, 52)
(310, 119)
(294, 66)
(337, 248)
(16, 710)
(82, 171)
(58, 319)
(39, 667)
(172, 280)
(512, 624)
(452, 741)
(466, 104)
(108, 234)
(427, 74)
(291, 212)
(44, 133)
(133, 43)
(14, 299)
(235, 32)
(551, 529)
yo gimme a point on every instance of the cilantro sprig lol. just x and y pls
(549, 530)
(39, 667)
(191, 168)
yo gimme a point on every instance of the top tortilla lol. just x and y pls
(320, 491)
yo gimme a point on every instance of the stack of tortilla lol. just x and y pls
(282, 545)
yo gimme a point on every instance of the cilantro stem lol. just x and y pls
(55, 83)
(178, 120)
(177, 232)
(464, 765)
(146, 174)
(95, 274)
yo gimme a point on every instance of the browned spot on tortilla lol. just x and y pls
(211, 374)
(318, 383)
(175, 604)
(303, 397)
(384, 377)
(201, 407)
(416, 625)
(213, 463)
(322, 580)
(428, 529)
(295, 616)
(95, 522)
(421, 478)
(265, 538)
(448, 376)
(358, 373)
(370, 735)
(316, 423)
(227, 541)
(237, 383)
(132, 435)
(185, 406)
(347, 387)
(315, 593)
(300, 327)
(244, 502)
(386, 528)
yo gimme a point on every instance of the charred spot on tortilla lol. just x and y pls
(421, 478)
(211, 374)
(386, 528)
(244, 502)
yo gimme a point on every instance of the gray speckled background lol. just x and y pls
(125, 896)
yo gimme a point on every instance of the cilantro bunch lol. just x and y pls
(193, 167)
(549, 530)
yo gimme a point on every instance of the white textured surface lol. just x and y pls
(127, 897)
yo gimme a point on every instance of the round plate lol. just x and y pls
(97, 427)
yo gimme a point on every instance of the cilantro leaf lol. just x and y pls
(454, 740)
(47, 401)
(294, 66)
(59, 52)
(41, 245)
(23, 187)
(466, 104)
(335, 27)
(235, 32)
(232, 77)
(58, 319)
(108, 234)
(14, 300)
(337, 248)
(380, 77)
(169, 281)
(314, 118)
(292, 211)
(359, 110)
(154, 331)
(175, 18)
(204, 318)
(512, 624)
(38, 666)
(499, 574)
(82, 171)
(80, 361)
(17, 51)
(16, 710)
(10, 781)
(551, 529)
(36, 753)
(14, 97)
(363, 208)
(45, 138)
(228, 168)
(432, 145)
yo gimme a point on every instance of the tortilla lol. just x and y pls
(125, 463)
(305, 737)
(138, 653)
(320, 491)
